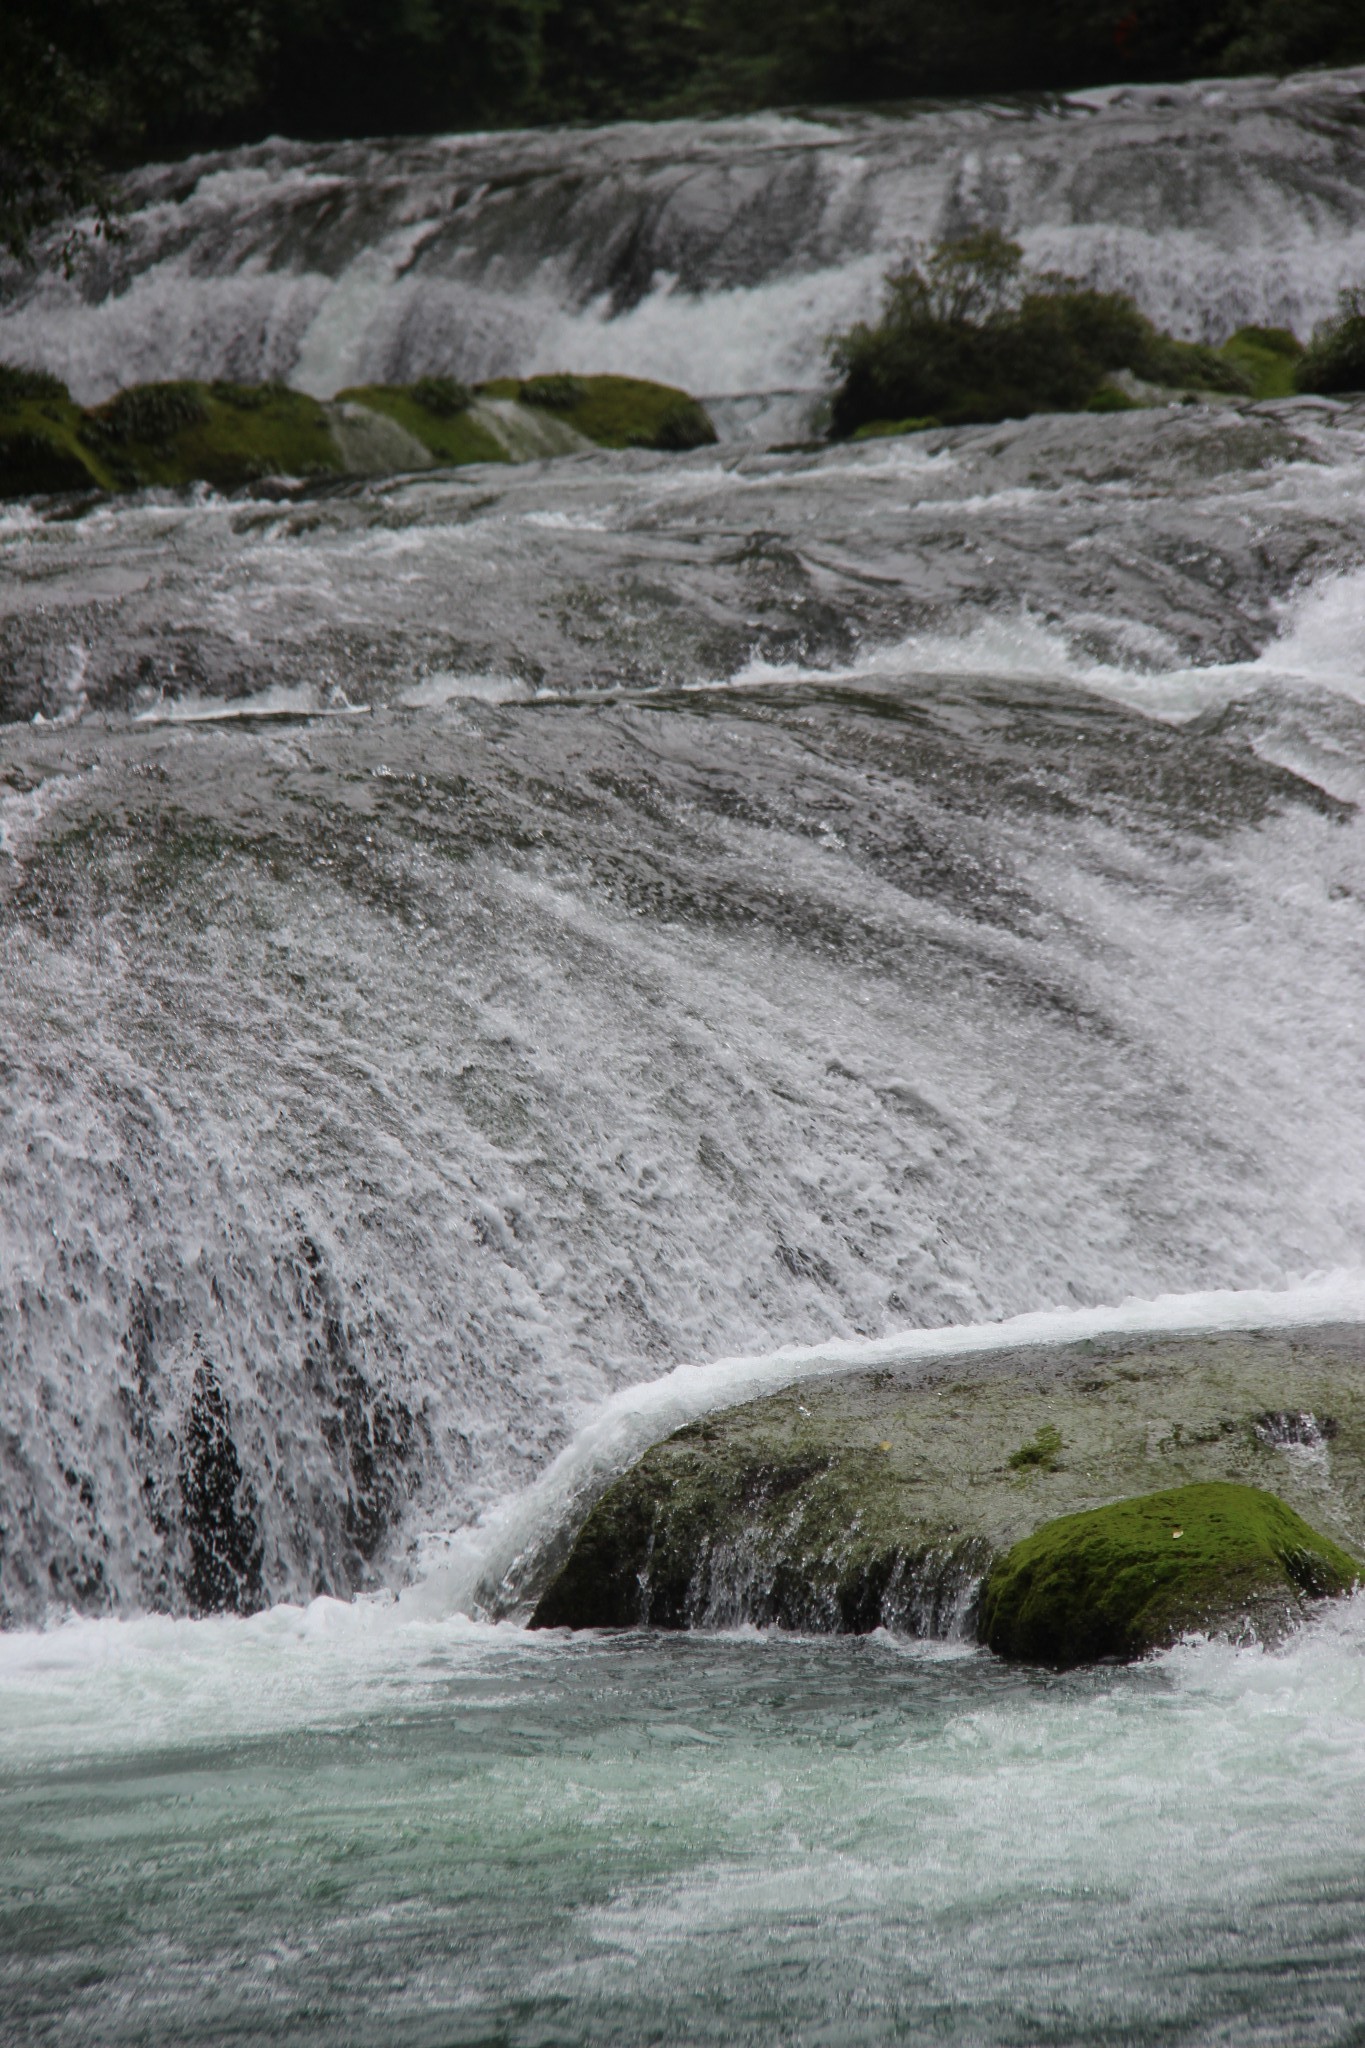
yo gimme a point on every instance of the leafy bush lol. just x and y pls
(443, 396)
(965, 335)
(1334, 359)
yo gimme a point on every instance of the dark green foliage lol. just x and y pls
(444, 396)
(964, 335)
(88, 85)
(153, 413)
(1334, 359)
(34, 463)
(1123, 1580)
(18, 385)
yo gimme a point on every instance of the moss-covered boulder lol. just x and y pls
(710, 1530)
(439, 414)
(1267, 358)
(884, 1498)
(222, 434)
(1133, 1577)
(40, 445)
(231, 435)
(614, 412)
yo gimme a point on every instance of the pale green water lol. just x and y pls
(353, 1827)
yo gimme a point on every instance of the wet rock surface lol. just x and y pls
(879, 1499)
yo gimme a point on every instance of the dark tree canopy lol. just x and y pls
(89, 85)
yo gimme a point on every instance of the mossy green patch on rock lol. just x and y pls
(40, 444)
(1137, 1575)
(1266, 357)
(615, 412)
(230, 435)
(426, 410)
(880, 1497)
(220, 434)
(704, 1534)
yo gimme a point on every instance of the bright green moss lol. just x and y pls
(221, 434)
(615, 412)
(452, 434)
(1120, 1581)
(1266, 358)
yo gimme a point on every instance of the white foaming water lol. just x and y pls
(717, 255)
(1319, 648)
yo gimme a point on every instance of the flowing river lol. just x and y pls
(476, 947)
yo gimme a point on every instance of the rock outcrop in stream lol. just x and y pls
(874, 1499)
(229, 435)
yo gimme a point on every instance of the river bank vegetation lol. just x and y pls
(229, 435)
(87, 86)
(966, 334)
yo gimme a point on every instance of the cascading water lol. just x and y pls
(715, 255)
(473, 947)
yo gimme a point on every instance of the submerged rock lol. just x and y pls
(890, 1498)
(1136, 1576)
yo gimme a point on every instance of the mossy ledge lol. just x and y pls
(232, 435)
(908, 1500)
(1138, 1575)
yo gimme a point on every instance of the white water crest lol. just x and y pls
(717, 255)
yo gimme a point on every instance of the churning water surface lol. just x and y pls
(477, 943)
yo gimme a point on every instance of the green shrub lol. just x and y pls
(443, 396)
(1334, 359)
(965, 335)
